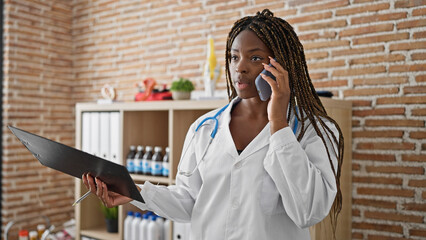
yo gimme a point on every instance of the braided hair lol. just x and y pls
(282, 40)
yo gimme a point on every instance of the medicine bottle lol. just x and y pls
(157, 162)
(146, 161)
(23, 235)
(166, 165)
(40, 230)
(34, 235)
(130, 160)
(138, 159)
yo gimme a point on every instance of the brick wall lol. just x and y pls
(370, 52)
(37, 87)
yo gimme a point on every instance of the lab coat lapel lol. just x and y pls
(259, 142)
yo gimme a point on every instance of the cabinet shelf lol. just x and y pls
(153, 179)
(100, 233)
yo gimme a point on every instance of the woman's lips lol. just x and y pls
(242, 86)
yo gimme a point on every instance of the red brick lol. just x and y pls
(377, 180)
(417, 183)
(361, 103)
(385, 192)
(323, 25)
(354, 51)
(418, 135)
(374, 203)
(379, 81)
(421, 78)
(407, 46)
(411, 24)
(414, 158)
(419, 112)
(357, 235)
(355, 167)
(415, 89)
(325, 44)
(377, 59)
(377, 227)
(418, 232)
(365, 30)
(326, 64)
(378, 17)
(310, 17)
(386, 145)
(418, 56)
(415, 207)
(395, 169)
(379, 237)
(407, 68)
(318, 75)
(393, 217)
(315, 55)
(362, 9)
(409, 3)
(328, 84)
(419, 35)
(374, 157)
(395, 123)
(378, 134)
(323, 6)
(379, 112)
(402, 100)
(359, 71)
(356, 212)
(419, 12)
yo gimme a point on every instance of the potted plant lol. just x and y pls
(111, 218)
(181, 89)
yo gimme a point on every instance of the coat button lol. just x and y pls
(238, 165)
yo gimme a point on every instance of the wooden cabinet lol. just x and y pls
(165, 123)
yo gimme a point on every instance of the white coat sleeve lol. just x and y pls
(175, 202)
(302, 174)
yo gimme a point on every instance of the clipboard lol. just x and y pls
(74, 162)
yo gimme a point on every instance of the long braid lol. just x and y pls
(280, 37)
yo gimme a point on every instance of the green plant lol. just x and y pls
(109, 213)
(182, 84)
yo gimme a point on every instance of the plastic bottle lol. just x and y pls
(128, 226)
(146, 161)
(157, 162)
(135, 226)
(143, 227)
(130, 159)
(40, 230)
(23, 235)
(166, 165)
(34, 235)
(153, 231)
(138, 159)
(166, 229)
(160, 224)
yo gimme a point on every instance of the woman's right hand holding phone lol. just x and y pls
(100, 189)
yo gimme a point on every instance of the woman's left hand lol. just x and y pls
(280, 97)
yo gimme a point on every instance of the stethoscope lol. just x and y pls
(212, 135)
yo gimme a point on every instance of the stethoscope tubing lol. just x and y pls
(212, 136)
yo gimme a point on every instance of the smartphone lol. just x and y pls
(263, 88)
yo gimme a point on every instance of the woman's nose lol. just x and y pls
(241, 67)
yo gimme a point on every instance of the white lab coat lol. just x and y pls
(275, 189)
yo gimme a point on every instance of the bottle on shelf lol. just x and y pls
(153, 230)
(128, 225)
(131, 159)
(135, 226)
(166, 165)
(146, 161)
(40, 230)
(34, 235)
(138, 159)
(23, 235)
(157, 162)
(166, 229)
(160, 226)
(143, 227)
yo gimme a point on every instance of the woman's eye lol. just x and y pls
(234, 58)
(255, 58)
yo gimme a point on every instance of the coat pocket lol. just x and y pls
(270, 198)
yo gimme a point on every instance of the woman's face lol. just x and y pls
(248, 53)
